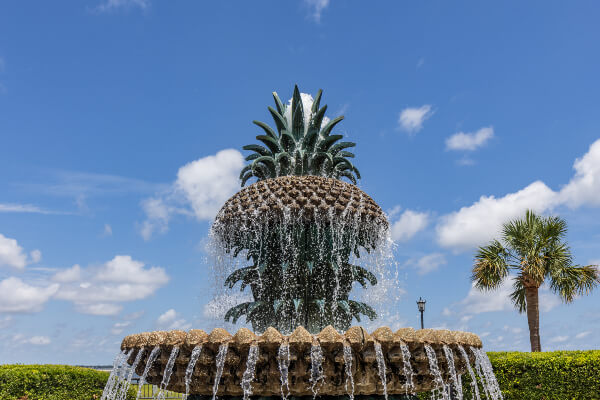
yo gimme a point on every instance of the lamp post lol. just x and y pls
(421, 305)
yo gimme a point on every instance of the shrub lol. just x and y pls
(52, 382)
(558, 375)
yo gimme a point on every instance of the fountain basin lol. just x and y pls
(267, 378)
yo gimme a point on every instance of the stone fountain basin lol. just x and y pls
(267, 379)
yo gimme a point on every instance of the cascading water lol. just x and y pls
(283, 362)
(452, 370)
(407, 369)
(151, 358)
(122, 395)
(248, 376)
(167, 373)
(348, 369)
(482, 363)
(435, 371)
(316, 370)
(471, 373)
(220, 361)
(381, 368)
(112, 378)
(189, 371)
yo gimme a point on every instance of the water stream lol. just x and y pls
(471, 373)
(220, 361)
(407, 369)
(435, 372)
(348, 368)
(316, 370)
(189, 371)
(452, 370)
(250, 371)
(122, 395)
(162, 392)
(151, 358)
(283, 360)
(113, 377)
(381, 368)
(483, 364)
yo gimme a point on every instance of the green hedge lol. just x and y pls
(52, 382)
(558, 375)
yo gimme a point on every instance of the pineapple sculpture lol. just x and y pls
(299, 268)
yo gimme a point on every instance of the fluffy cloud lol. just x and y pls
(558, 339)
(17, 296)
(119, 327)
(98, 290)
(34, 340)
(429, 263)
(113, 5)
(469, 141)
(13, 255)
(581, 335)
(201, 188)
(411, 119)
(478, 223)
(317, 7)
(171, 320)
(408, 225)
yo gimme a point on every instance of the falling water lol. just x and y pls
(407, 368)
(114, 375)
(248, 376)
(485, 366)
(348, 368)
(435, 371)
(316, 370)
(452, 370)
(381, 368)
(471, 373)
(151, 358)
(189, 371)
(220, 365)
(125, 387)
(167, 374)
(283, 360)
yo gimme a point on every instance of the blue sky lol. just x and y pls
(113, 113)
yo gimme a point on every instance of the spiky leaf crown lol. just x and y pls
(300, 147)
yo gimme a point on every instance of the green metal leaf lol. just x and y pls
(266, 128)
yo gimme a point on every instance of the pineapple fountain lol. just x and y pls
(297, 235)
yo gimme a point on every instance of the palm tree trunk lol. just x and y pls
(533, 317)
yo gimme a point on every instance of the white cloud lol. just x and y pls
(107, 230)
(548, 300)
(317, 7)
(24, 208)
(558, 339)
(584, 187)
(512, 329)
(476, 224)
(429, 262)
(478, 301)
(411, 119)
(469, 141)
(112, 5)
(201, 188)
(72, 274)
(119, 327)
(408, 225)
(98, 290)
(6, 321)
(13, 255)
(581, 335)
(171, 320)
(17, 296)
(19, 338)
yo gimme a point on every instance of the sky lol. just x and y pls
(122, 124)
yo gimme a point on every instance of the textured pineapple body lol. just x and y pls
(305, 198)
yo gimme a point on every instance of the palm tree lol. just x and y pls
(534, 248)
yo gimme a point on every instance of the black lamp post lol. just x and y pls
(421, 305)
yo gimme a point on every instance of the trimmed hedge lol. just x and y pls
(558, 375)
(52, 382)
